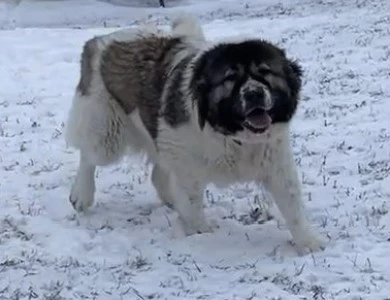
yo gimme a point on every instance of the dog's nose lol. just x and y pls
(254, 97)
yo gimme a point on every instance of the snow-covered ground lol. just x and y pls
(127, 246)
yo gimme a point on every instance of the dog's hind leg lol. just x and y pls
(83, 189)
(98, 130)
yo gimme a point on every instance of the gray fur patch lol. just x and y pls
(134, 73)
(89, 50)
(175, 110)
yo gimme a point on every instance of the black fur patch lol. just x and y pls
(175, 111)
(226, 115)
(285, 107)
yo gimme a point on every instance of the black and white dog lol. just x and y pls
(203, 112)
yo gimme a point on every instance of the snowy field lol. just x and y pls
(127, 246)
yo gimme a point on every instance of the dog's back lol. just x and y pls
(123, 71)
(133, 55)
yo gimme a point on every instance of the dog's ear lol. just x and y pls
(201, 102)
(296, 68)
(294, 76)
(198, 86)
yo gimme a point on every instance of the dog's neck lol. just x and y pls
(221, 143)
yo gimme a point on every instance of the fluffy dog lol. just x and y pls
(202, 112)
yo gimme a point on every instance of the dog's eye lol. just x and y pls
(262, 69)
(231, 75)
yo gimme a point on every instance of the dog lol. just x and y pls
(202, 112)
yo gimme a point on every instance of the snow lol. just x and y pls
(129, 246)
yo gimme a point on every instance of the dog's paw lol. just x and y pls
(309, 243)
(196, 228)
(167, 202)
(81, 196)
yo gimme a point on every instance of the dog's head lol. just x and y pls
(243, 89)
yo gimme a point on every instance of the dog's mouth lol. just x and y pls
(257, 121)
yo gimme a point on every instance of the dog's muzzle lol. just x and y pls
(258, 102)
(257, 98)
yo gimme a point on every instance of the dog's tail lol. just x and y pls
(188, 26)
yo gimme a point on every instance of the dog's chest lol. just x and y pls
(239, 163)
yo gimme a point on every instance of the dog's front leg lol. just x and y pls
(283, 183)
(188, 203)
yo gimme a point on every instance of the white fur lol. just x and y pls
(102, 132)
(188, 26)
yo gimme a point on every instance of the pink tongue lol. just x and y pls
(259, 120)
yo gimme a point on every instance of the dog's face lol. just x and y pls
(243, 89)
